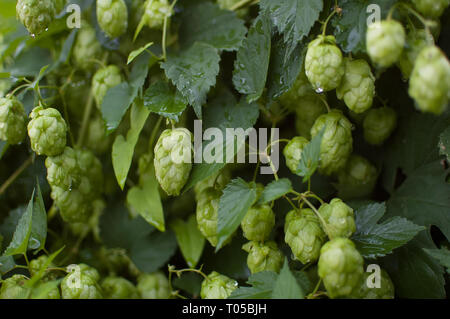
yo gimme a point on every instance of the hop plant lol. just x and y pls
(45, 293)
(324, 65)
(379, 124)
(97, 140)
(357, 179)
(112, 17)
(337, 141)
(338, 218)
(358, 86)
(47, 131)
(304, 235)
(37, 264)
(36, 15)
(153, 286)
(103, 80)
(207, 214)
(14, 288)
(173, 154)
(92, 224)
(431, 8)
(155, 11)
(86, 48)
(429, 84)
(308, 109)
(118, 288)
(229, 4)
(340, 267)
(263, 256)
(217, 286)
(293, 152)
(415, 41)
(257, 224)
(300, 89)
(386, 289)
(81, 283)
(384, 42)
(12, 120)
(218, 180)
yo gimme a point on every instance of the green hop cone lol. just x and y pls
(429, 84)
(86, 49)
(263, 256)
(217, 286)
(14, 288)
(97, 140)
(257, 224)
(301, 88)
(118, 288)
(81, 282)
(37, 264)
(340, 267)
(337, 141)
(207, 214)
(36, 15)
(293, 152)
(229, 4)
(13, 119)
(153, 286)
(304, 235)
(173, 159)
(112, 17)
(357, 179)
(218, 180)
(338, 217)
(103, 80)
(357, 88)
(47, 131)
(59, 5)
(415, 41)
(308, 109)
(379, 124)
(431, 8)
(369, 290)
(92, 224)
(155, 11)
(324, 65)
(384, 42)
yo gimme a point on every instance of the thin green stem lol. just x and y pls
(325, 24)
(164, 35)
(153, 134)
(17, 89)
(16, 174)
(325, 225)
(324, 101)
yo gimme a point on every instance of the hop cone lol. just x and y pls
(379, 124)
(12, 120)
(207, 214)
(118, 288)
(301, 88)
(308, 109)
(293, 152)
(415, 41)
(384, 291)
(257, 224)
(431, 8)
(338, 217)
(218, 180)
(36, 15)
(153, 286)
(81, 283)
(217, 286)
(155, 11)
(14, 288)
(263, 256)
(112, 17)
(103, 80)
(86, 48)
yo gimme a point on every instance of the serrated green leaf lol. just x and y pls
(376, 240)
(286, 285)
(309, 160)
(22, 233)
(39, 223)
(160, 99)
(146, 201)
(190, 239)
(119, 98)
(236, 200)
(193, 72)
(134, 54)
(262, 286)
(293, 18)
(123, 149)
(275, 190)
(444, 143)
(206, 22)
(443, 255)
(252, 63)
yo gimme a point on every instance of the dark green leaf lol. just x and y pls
(309, 160)
(194, 72)
(444, 143)
(275, 190)
(39, 223)
(160, 99)
(286, 286)
(189, 282)
(262, 284)
(207, 23)
(190, 239)
(443, 255)
(252, 63)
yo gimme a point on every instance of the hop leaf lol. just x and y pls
(429, 84)
(340, 267)
(337, 141)
(304, 235)
(385, 41)
(258, 223)
(47, 131)
(324, 65)
(12, 120)
(112, 17)
(379, 124)
(217, 286)
(338, 218)
(263, 256)
(103, 80)
(358, 86)
(36, 15)
(173, 155)
(153, 286)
